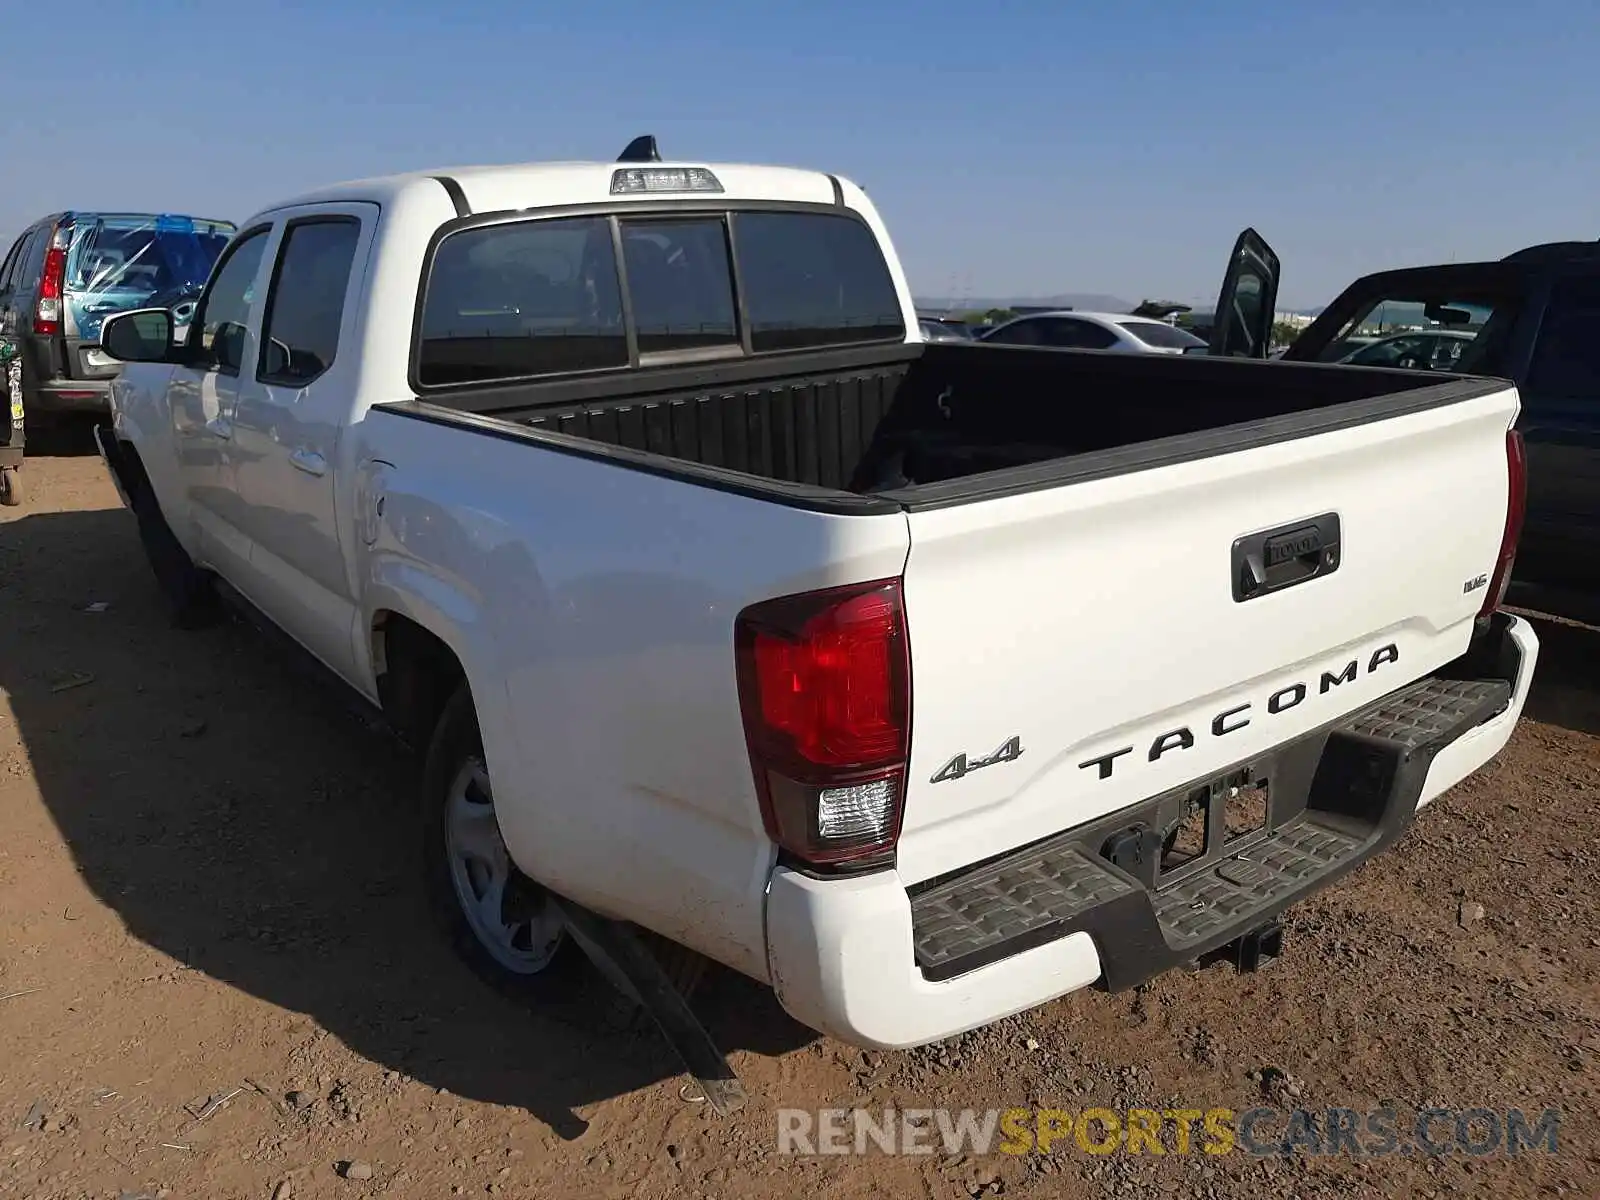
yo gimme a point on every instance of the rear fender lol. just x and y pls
(407, 570)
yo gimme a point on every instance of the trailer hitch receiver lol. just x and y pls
(1259, 948)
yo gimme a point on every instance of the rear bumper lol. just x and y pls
(873, 964)
(70, 395)
(49, 365)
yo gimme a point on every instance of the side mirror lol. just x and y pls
(144, 335)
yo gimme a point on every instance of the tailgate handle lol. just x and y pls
(1279, 558)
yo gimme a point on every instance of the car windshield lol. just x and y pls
(1161, 335)
(1420, 328)
(115, 263)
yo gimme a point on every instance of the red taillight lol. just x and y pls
(1516, 506)
(47, 314)
(824, 684)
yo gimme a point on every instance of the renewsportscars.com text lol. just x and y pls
(1213, 1131)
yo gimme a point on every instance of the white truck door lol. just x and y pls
(203, 398)
(294, 400)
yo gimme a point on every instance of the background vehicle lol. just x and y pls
(1093, 331)
(725, 606)
(67, 272)
(1533, 318)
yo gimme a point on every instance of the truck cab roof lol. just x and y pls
(508, 187)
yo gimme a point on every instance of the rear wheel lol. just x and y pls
(10, 486)
(502, 924)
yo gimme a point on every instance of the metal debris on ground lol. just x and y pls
(278, 1106)
(202, 1110)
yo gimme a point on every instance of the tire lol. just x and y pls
(11, 490)
(465, 859)
(191, 600)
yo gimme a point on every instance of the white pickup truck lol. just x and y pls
(923, 682)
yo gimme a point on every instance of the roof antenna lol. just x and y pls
(641, 149)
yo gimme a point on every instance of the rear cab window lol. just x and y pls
(550, 296)
(680, 286)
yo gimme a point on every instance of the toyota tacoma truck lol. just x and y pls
(925, 682)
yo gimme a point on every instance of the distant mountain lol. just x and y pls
(1083, 301)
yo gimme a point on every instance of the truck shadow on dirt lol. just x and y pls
(67, 435)
(239, 819)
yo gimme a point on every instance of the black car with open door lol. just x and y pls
(1532, 317)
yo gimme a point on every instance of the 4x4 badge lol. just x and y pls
(961, 765)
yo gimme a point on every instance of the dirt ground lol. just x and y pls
(208, 892)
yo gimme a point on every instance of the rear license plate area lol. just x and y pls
(1212, 821)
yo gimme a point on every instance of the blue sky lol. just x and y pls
(1015, 149)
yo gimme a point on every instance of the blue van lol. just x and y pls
(69, 271)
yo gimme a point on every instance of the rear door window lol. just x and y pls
(1068, 332)
(1162, 335)
(814, 279)
(305, 306)
(1018, 333)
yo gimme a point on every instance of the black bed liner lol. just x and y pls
(909, 427)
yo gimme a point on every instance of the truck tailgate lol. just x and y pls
(1083, 647)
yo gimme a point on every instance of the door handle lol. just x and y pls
(308, 461)
(221, 427)
(1274, 559)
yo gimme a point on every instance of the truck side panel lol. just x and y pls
(593, 610)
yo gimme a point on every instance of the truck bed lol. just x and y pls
(915, 424)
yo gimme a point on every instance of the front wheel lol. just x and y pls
(10, 486)
(502, 924)
(191, 599)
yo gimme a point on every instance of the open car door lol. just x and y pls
(1242, 326)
